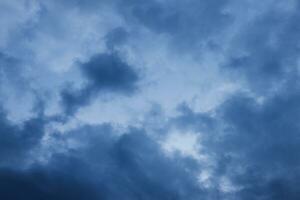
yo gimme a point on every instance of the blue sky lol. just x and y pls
(149, 99)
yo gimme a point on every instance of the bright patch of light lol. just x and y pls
(186, 144)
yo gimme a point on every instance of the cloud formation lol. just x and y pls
(143, 100)
(105, 73)
(17, 142)
(106, 167)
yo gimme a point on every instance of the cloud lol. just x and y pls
(107, 167)
(116, 37)
(262, 140)
(105, 73)
(164, 99)
(190, 24)
(253, 144)
(10, 69)
(17, 141)
(265, 52)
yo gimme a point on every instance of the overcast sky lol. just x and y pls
(149, 100)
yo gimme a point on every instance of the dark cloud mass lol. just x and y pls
(255, 144)
(130, 167)
(264, 140)
(267, 49)
(105, 73)
(62, 56)
(17, 141)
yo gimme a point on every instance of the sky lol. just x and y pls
(149, 100)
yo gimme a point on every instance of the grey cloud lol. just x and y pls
(105, 73)
(116, 37)
(265, 51)
(105, 167)
(18, 140)
(190, 24)
(253, 144)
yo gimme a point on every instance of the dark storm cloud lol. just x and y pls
(255, 144)
(105, 73)
(106, 167)
(265, 139)
(18, 140)
(266, 50)
(259, 150)
(46, 185)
